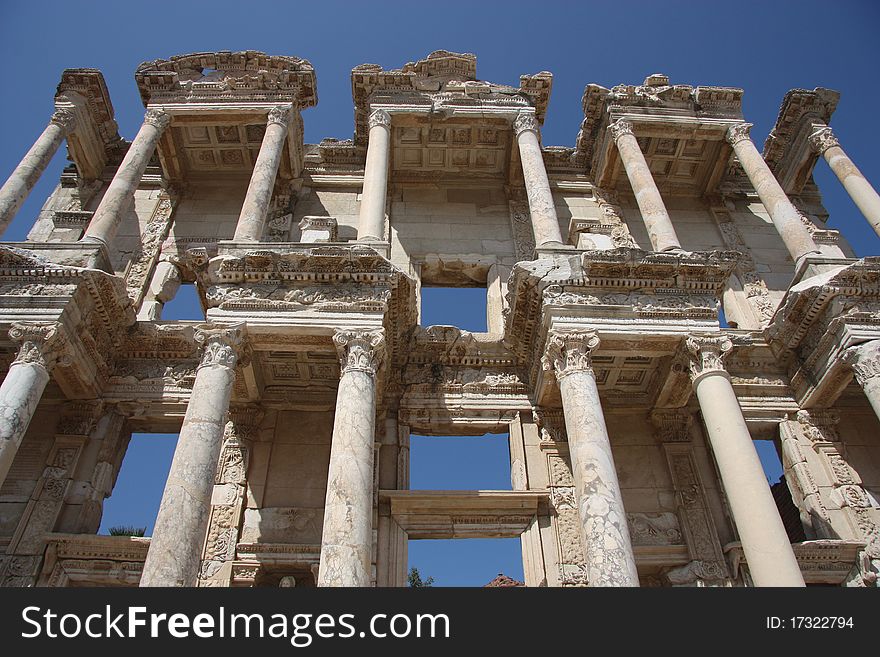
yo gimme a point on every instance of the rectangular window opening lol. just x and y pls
(134, 502)
(473, 562)
(186, 304)
(460, 462)
(462, 307)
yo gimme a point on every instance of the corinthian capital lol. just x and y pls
(380, 117)
(737, 133)
(864, 360)
(41, 343)
(571, 351)
(222, 345)
(525, 121)
(360, 350)
(620, 128)
(822, 139)
(157, 118)
(65, 118)
(707, 354)
(280, 115)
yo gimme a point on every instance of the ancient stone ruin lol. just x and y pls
(632, 403)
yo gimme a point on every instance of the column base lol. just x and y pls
(815, 264)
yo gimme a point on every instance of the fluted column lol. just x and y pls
(865, 362)
(120, 193)
(371, 223)
(22, 180)
(41, 347)
(654, 213)
(255, 208)
(604, 531)
(347, 537)
(823, 142)
(767, 549)
(784, 215)
(176, 547)
(545, 223)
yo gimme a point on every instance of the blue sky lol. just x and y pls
(764, 47)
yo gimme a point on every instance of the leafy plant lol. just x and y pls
(415, 579)
(127, 530)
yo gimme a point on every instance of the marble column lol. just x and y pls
(784, 215)
(823, 142)
(41, 348)
(347, 538)
(604, 531)
(120, 193)
(865, 362)
(22, 180)
(767, 549)
(252, 220)
(371, 222)
(654, 213)
(176, 547)
(542, 209)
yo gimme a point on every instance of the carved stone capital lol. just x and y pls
(737, 133)
(380, 117)
(864, 360)
(822, 139)
(569, 352)
(65, 118)
(79, 418)
(157, 118)
(279, 115)
(620, 128)
(672, 425)
(222, 345)
(41, 343)
(525, 121)
(360, 350)
(707, 354)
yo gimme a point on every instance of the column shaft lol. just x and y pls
(347, 538)
(16, 189)
(252, 220)
(765, 543)
(542, 209)
(604, 530)
(24, 384)
(176, 547)
(654, 213)
(371, 223)
(857, 186)
(784, 215)
(120, 193)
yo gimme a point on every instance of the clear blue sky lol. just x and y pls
(764, 47)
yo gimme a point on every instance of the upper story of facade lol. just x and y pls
(662, 207)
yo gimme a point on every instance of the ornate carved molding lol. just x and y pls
(822, 139)
(157, 118)
(525, 121)
(570, 352)
(672, 425)
(380, 117)
(707, 354)
(280, 115)
(738, 132)
(222, 345)
(360, 350)
(41, 343)
(620, 128)
(864, 360)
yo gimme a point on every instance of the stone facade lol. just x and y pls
(630, 405)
